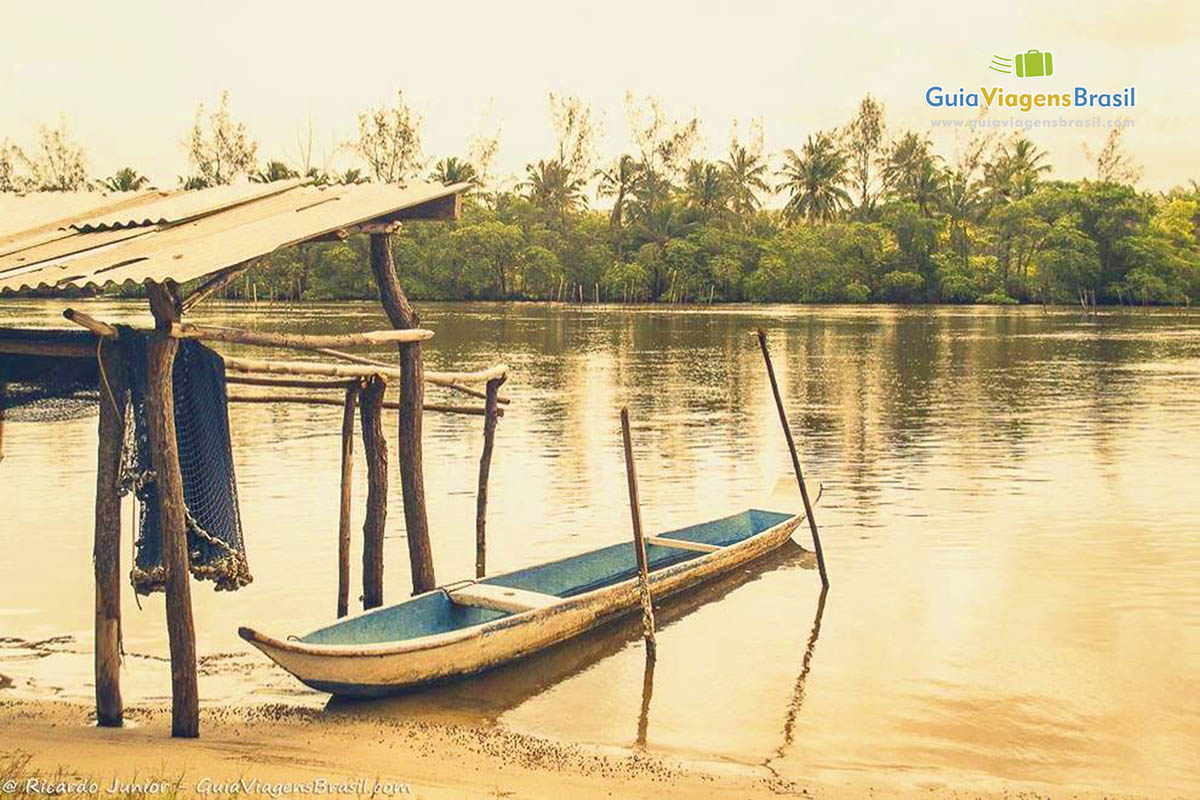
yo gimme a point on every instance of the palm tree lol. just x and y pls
(927, 186)
(960, 202)
(620, 183)
(814, 179)
(126, 179)
(746, 175)
(704, 188)
(274, 171)
(1014, 171)
(450, 170)
(549, 186)
(1028, 165)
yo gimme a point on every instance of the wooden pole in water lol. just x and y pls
(639, 542)
(343, 597)
(787, 433)
(375, 449)
(164, 455)
(412, 399)
(490, 415)
(106, 549)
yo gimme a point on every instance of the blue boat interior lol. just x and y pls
(435, 612)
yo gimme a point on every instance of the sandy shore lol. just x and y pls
(267, 747)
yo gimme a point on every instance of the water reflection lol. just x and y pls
(1009, 517)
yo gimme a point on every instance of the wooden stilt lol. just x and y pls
(343, 598)
(375, 449)
(412, 398)
(639, 542)
(787, 433)
(490, 416)
(164, 453)
(106, 549)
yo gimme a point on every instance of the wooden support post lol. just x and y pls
(490, 415)
(787, 433)
(375, 449)
(164, 455)
(106, 549)
(343, 598)
(639, 542)
(412, 399)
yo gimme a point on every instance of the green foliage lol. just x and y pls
(900, 286)
(996, 298)
(868, 215)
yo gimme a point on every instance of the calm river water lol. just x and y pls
(1010, 517)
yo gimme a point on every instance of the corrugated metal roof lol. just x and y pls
(25, 215)
(193, 247)
(179, 206)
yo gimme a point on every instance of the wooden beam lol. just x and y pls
(292, 383)
(164, 453)
(681, 544)
(412, 400)
(298, 341)
(490, 417)
(48, 347)
(106, 548)
(214, 284)
(437, 378)
(375, 449)
(343, 597)
(318, 368)
(391, 405)
(639, 543)
(101, 329)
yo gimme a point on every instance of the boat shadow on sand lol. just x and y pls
(487, 696)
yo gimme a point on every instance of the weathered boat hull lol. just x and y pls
(377, 669)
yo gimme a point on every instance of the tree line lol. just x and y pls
(859, 213)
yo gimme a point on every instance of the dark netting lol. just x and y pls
(36, 388)
(39, 388)
(214, 525)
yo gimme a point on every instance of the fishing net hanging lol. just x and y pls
(214, 528)
(48, 388)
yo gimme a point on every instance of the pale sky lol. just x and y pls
(128, 75)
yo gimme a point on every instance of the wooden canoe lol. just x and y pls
(467, 628)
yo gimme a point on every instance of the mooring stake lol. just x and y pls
(639, 541)
(787, 432)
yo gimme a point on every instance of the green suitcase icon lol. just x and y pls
(1034, 64)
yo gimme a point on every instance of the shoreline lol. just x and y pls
(279, 750)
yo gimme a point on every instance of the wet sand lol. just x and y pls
(269, 745)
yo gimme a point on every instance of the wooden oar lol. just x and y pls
(787, 432)
(639, 541)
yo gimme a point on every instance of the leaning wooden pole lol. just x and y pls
(106, 549)
(787, 433)
(343, 597)
(490, 415)
(412, 399)
(639, 541)
(164, 455)
(375, 450)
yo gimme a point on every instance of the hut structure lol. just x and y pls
(202, 241)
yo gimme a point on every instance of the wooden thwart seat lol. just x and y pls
(501, 598)
(682, 544)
